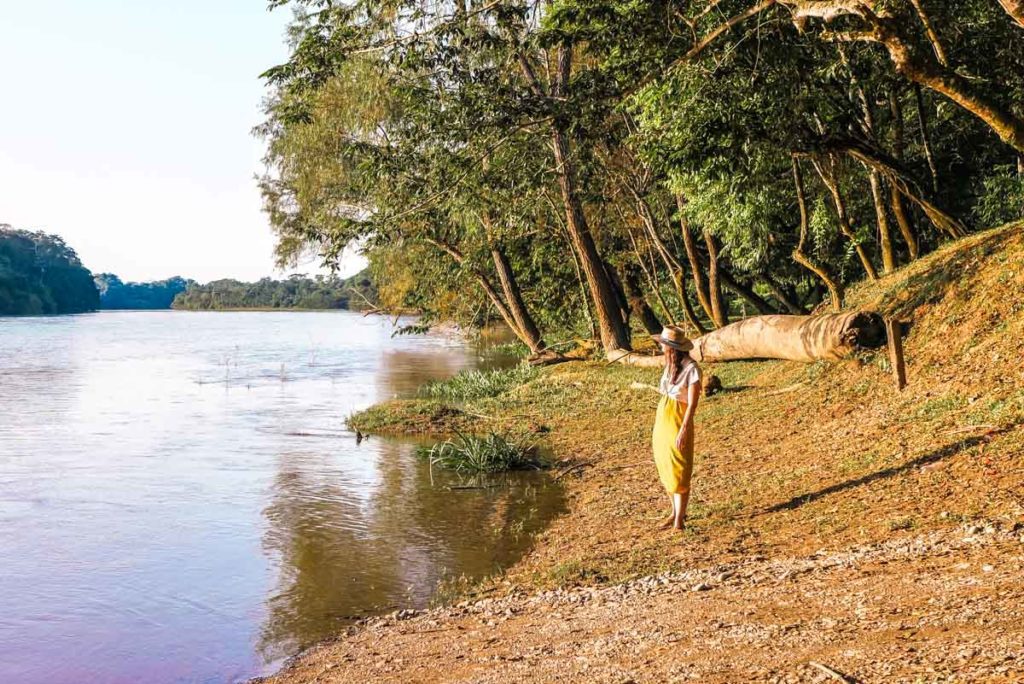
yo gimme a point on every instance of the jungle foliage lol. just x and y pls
(295, 292)
(159, 294)
(41, 275)
(593, 168)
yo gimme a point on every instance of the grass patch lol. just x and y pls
(469, 385)
(573, 573)
(403, 416)
(491, 453)
(902, 524)
(933, 408)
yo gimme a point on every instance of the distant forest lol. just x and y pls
(115, 294)
(295, 292)
(40, 274)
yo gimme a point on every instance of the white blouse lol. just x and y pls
(690, 375)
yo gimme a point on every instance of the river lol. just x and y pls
(180, 500)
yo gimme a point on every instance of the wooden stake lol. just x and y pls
(894, 332)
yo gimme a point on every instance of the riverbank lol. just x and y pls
(835, 519)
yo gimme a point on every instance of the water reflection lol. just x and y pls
(344, 557)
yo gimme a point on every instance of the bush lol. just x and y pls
(478, 384)
(1001, 199)
(490, 453)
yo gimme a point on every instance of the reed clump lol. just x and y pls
(489, 453)
(475, 384)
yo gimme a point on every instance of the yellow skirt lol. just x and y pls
(675, 468)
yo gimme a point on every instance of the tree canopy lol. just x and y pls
(596, 167)
(41, 275)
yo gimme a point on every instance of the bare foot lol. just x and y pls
(667, 523)
(680, 524)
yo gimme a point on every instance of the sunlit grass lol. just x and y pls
(474, 384)
(491, 453)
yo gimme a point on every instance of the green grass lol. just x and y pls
(573, 573)
(469, 385)
(491, 453)
(939, 406)
(404, 416)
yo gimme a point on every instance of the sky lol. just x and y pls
(125, 128)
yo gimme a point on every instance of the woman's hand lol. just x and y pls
(692, 396)
(684, 433)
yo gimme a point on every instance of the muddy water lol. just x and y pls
(180, 500)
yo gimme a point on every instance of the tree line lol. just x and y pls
(295, 292)
(595, 167)
(41, 275)
(158, 294)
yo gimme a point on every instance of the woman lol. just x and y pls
(673, 427)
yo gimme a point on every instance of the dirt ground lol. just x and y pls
(840, 530)
(935, 607)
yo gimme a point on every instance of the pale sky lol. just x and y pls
(125, 127)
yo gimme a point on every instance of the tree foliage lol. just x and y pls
(587, 167)
(41, 275)
(295, 292)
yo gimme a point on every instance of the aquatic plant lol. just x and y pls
(478, 384)
(490, 453)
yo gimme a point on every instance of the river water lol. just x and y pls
(180, 500)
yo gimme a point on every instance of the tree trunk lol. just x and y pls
(917, 66)
(832, 183)
(882, 218)
(929, 30)
(582, 283)
(614, 334)
(688, 310)
(620, 292)
(719, 312)
(487, 286)
(638, 306)
(514, 298)
(652, 279)
(807, 339)
(899, 210)
(898, 177)
(930, 73)
(835, 289)
(694, 258)
(787, 299)
(746, 293)
(675, 268)
(926, 142)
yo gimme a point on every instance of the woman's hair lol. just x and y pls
(676, 360)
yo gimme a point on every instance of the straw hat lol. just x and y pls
(673, 336)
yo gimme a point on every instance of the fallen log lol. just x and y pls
(826, 337)
(829, 337)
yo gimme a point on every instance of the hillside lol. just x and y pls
(836, 520)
